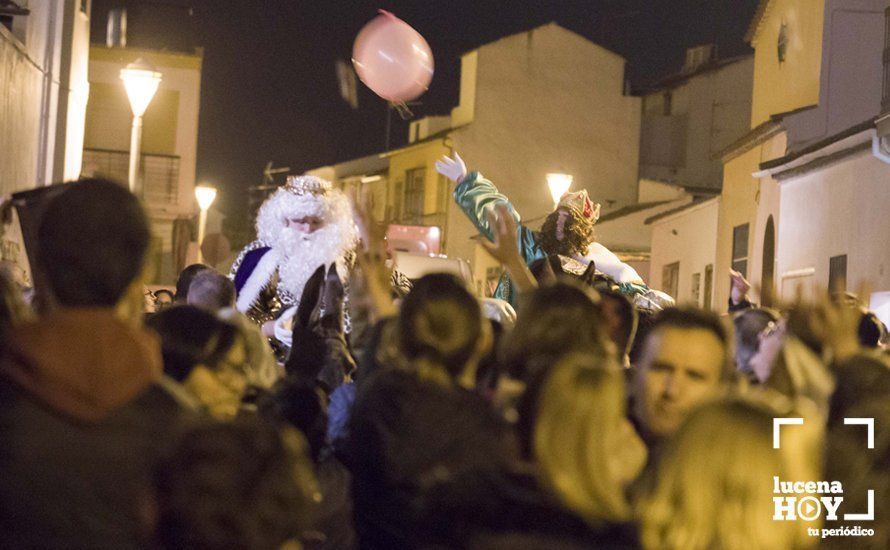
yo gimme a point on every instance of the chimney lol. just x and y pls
(698, 57)
(116, 30)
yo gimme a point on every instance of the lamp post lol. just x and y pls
(559, 184)
(205, 196)
(141, 81)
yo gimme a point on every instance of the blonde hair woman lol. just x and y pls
(715, 484)
(586, 449)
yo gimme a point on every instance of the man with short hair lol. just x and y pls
(749, 324)
(84, 410)
(211, 291)
(184, 281)
(684, 362)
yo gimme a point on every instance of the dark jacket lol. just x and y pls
(84, 416)
(408, 437)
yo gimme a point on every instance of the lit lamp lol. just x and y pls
(205, 196)
(141, 81)
(559, 185)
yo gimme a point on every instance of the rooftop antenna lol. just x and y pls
(405, 113)
(269, 173)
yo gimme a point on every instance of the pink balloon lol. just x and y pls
(392, 59)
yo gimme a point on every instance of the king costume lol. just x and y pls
(567, 233)
(270, 273)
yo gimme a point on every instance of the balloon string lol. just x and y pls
(402, 108)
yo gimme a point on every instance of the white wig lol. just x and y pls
(304, 196)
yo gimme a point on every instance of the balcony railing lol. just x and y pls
(159, 173)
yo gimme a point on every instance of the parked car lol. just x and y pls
(415, 266)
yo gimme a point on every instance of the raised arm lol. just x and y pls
(474, 194)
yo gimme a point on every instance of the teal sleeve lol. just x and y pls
(630, 289)
(474, 194)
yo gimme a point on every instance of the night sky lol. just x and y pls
(270, 92)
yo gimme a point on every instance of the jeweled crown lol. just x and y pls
(307, 185)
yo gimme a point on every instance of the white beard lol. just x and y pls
(302, 253)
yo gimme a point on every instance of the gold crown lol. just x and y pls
(307, 185)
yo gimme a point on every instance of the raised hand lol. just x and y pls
(454, 169)
(740, 287)
(504, 247)
(371, 233)
(371, 258)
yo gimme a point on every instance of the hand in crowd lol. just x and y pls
(505, 249)
(740, 287)
(454, 168)
(371, 255)
(837, 321)
(830, 323)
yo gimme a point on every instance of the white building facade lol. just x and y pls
(830, 191)
(687, 119)
(44, 57)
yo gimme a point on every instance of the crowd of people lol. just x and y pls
(334, 404)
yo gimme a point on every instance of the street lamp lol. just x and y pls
(559, 184)
(141, 81)
(205, 196)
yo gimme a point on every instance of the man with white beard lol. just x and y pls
(304, 225)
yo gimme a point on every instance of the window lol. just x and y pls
(709, 284)
(670, 278)
(768, 266)
(397, 207)
(696, 288)
(782, 43)
(9, 10)
(740, 249)
(837, 273)
(414, 195)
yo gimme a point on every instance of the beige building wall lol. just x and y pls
(832, 72)
(689, 239)
(686, 124)
(43, 94)
(21, 88)
(544, 101)
(780, 87)
(74, 93)
(627, 234)
(437, 191)
(768, 200)
(850, 76)
(170, 133)
(783, 86)
(740, 203)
